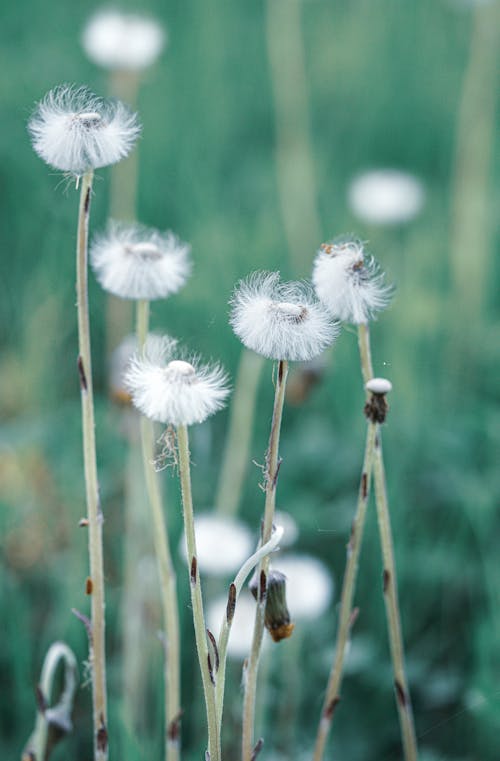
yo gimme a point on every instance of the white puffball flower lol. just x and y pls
(348, 281)
(309, 585)
(280, 320)
(171, 390)
(222, 544)
(241, 634)
(123, 41)
(75, 131)
(386, 196)
(134, 262)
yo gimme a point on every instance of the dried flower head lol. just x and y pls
(222, 544)
(169, 389)
(123, 41)
(134, 262)
(348, 281)
(280, 320)
(386, 196)
(74, 130)
(309, 585)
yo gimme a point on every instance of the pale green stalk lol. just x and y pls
(239, 437)
(207, 668)
(389, 577)
(332, 696)
(94, 514)
(234, 591)
(271, 478)
(166, 571)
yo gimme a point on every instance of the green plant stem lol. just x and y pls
(166, 570)
(94, 514)
(234, 591)
(393, 616)
(332, 696)
(271, 478)
(206, 667)
(239, 436)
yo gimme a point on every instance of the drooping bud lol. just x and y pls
(277, 616)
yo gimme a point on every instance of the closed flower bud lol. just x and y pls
(74, 130)
(135, 262)
(277, 616)
(281, 321)
(122, 41)
(172, 390)
(349, 282)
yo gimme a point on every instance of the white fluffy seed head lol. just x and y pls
(386, 196)
(134, 262)
(240, 637)
(169, 389)
(280, 320)
(74, 130)
(309, 585)
(222, 544)
(123, 41)
(379, 386)
(349, 282)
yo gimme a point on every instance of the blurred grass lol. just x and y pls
(383, 88)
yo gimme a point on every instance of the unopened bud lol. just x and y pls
(277, 616)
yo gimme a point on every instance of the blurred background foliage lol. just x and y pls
(255, 119)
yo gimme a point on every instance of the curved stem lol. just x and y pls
(166, 570)
(332, 696)
(234, 591)
(239, 436)
(94, 514)
(271, 476)
(389, 577)
(206, 666)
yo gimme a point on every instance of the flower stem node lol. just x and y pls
(277, 616)
(376, 408)
(75, 131)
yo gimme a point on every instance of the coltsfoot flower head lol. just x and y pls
(74, 130)
(133, 262)
(386, 196)
(348, 281)
(171, 389)
(280, 320)
(122, 41)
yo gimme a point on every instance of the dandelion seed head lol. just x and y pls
(135, 262)
(222, 544)
(74, 130)
(349, 282)
(169, 389)
(123, 41)
(280, 320)
(386, 196)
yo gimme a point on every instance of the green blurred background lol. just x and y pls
(255, 119)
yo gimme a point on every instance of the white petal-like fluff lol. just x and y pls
(134, 262)
(386, 196)
(222, 544)
(74, 130)
(309, 584)
(348, 282)
(280, 320)
(125, 41)
(171, 390)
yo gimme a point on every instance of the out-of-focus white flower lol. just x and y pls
(125, 41)
(280, 320)
(349, 282)
(222, 544)
(74, 130)
(134, 262)
(290, 528)
(309, 584)
(386, 196)
(240, 637)
(170, 389)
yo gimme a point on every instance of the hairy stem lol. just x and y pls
(389, 575)
(94, 515)
(207, 668)
(166, 570)
(239, 436)
(332, 696)
(271, 476)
